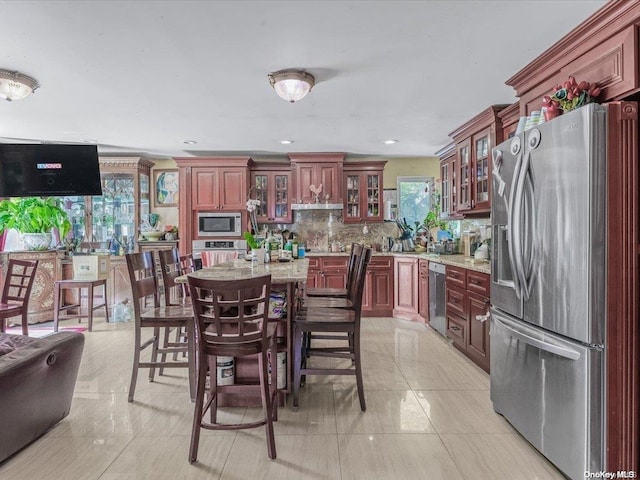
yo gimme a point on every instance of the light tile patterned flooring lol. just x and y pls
(428, 416)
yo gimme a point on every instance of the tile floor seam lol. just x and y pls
(116, 457)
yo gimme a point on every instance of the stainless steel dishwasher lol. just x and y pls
(437, 298)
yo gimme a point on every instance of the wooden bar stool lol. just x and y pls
(60, 309)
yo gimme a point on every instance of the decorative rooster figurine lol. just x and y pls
(316, 191)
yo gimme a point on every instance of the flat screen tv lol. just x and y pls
(48, 170)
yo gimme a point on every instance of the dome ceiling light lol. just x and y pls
(291, 85)
(15, 85)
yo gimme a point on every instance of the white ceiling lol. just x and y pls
(141, 77)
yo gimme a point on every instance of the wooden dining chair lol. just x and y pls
(155, 317)
(331, 323)
(231, 319)
(16, 292)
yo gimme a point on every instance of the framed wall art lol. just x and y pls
(165, 188)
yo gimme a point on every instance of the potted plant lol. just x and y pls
(34, 218)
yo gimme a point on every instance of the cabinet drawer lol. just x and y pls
(456, 301)
(456, 276)
(380, 263)
(479, 283)
(334, 263)
(314, 263)
(457, 330)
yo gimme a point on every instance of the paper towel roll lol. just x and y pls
(387, 210)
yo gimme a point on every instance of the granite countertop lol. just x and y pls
(281, 272)
(456, 260)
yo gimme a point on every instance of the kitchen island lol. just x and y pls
(287, 277)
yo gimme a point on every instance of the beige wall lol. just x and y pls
(410, 167)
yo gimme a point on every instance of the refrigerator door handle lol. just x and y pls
(547, 347)
(515, 227)
(511, 238)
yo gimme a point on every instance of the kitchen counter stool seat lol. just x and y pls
(60, 310)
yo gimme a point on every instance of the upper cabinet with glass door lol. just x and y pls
(363, 189)
(271, 184)
(472, 174)
(122, 207)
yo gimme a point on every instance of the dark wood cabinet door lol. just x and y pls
(481, 165)
(446, 177)
(272, 188)
(464, 176)
(327, 175)
(406, 285)
(382, 290)
(478, 338)
(204, 186)
(232, 188)
(363, 197)
(304, 178)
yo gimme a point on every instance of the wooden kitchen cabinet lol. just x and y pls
(448, 184)
(362, 189)
(327, 272)
(122, 207)
(478, 339)
(405, 290)
(377, 299)
(317, 169)
(474, 141)
(271, 185)
(467, 312)
(210, 184)
(219, 188)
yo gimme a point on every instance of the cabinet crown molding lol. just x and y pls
(480, 121)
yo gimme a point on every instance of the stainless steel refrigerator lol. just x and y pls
(548, 294)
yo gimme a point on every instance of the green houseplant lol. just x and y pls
(34, 215)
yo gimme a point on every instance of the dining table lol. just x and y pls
(291, 275)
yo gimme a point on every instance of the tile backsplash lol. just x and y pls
(319, 228)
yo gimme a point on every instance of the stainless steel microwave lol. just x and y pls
(219, 224)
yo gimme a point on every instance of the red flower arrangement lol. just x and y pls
(569, 96)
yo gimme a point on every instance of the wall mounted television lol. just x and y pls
(48, 170)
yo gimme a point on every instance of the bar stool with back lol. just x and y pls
(144, 286)
(16, 291)
(231, 319)
(327, 320)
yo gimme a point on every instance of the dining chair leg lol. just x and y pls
(136, 363)
(213, 390)
(25, 323)
(197, 415)
(165, 344)
(273, 392)
(266, 404)
(358, 368)
(297, 365)
(154, 352)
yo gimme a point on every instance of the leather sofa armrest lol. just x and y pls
(36, 388)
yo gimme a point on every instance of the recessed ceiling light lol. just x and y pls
(190, 142)
(286, 142)
(390, 142)
(90, 140)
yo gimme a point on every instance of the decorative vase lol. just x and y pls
(36, 241)
(551, 113)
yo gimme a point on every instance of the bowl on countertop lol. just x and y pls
(419, 249)
(153, 236)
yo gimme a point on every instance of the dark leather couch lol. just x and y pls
(37, 379)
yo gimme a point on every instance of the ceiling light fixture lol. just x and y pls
(291, 85)
(15, 85)
(286, 142)
(189, 142)
(390, 142)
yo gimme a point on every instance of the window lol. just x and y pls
(414, 199)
